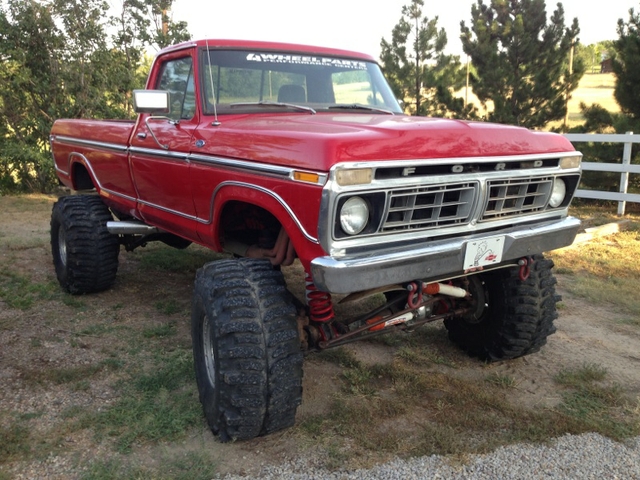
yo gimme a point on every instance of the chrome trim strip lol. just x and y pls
(91, 143)
(267, 192)
(170, 210)
(437, 261)
(453, 160)
(242, 164)
(154, 152)
(279, 171)
(58, 169)
(93, 174)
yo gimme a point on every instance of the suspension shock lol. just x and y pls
(320, 303)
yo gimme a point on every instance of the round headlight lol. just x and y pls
(354, 215)
(558, 193)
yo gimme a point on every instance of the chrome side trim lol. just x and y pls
(170, 210)
(90, 143)
(266, 191)
(437, 261)
(154, 152)
(58, 169)
(93, 174)
(284, 172)
(243, 165)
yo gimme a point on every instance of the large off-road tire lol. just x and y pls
(85, 254)
(246, 349)
(513, 317)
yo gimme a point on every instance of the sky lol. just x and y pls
(359, 25)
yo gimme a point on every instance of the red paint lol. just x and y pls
(178, 195)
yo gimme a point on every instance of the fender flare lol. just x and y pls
(76, 158)
(264, 198)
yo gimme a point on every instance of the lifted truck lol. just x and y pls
(276, 152)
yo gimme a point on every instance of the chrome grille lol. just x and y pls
(511, 198)
(429, 207)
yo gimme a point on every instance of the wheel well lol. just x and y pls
(248, 224)
(81, 178)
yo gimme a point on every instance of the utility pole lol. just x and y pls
(566, 95)
(466, 88)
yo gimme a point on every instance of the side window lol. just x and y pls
(177, 78)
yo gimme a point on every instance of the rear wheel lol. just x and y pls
(246, 349)
(85, 254)
(512, 317)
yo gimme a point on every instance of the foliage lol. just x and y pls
(592, 55)
(521, 60)
(420, 74)
(626, 66)
(58, 61)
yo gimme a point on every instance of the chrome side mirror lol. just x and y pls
(155, 102)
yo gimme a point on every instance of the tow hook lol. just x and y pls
(525, 267)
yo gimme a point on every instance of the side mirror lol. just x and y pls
(151, 101)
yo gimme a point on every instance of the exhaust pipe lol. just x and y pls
(131, 227)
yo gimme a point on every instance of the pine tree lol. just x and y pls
(521, 60)
(420, 74)
(626, 65)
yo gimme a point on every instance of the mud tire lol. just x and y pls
(85, 254)
(518, 316)
(246, 349)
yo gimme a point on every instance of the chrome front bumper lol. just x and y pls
(436, 261)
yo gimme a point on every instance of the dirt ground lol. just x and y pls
(52, 334)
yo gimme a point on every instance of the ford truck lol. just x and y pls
(280, 153)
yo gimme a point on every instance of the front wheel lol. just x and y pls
(85, 254)
(246, 349)
(512, 317)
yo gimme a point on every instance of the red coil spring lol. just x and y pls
(320, 304)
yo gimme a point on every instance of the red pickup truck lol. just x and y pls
(277, 152)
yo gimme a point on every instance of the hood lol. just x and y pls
(318, 142)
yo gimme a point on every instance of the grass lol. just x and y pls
(20, 292)
(190, 465)
(166, 259)
(595, 403)
(426, 397)
(152, 406)
(605, 271)
(454, 415)
(593, 88)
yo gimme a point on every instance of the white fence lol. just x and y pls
(624, 168)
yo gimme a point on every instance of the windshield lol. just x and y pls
(241, 80)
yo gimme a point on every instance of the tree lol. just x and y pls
(418, 71)
(57, 61)
(31, 93)
(592, 55)
(521, 61)
(625, 54)
(149, 23)
(626, 65)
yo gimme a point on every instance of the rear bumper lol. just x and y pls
(436, 261)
